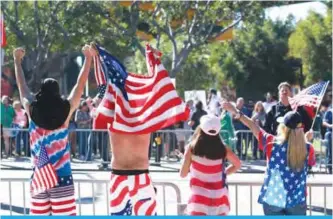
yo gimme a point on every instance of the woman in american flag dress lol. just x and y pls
(288, 158)
(52, 188)
(205, 159)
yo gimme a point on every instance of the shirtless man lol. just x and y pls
(131, 189)
(132, 192)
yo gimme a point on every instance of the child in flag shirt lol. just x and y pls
(288, 158)
(205, 159)
(52, 188)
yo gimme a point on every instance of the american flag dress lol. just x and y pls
(209, 191)
(59, 200)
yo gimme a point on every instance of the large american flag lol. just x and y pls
(44, 176)
(133, 103)
(310, 97)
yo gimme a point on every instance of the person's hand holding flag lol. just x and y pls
(137, 103)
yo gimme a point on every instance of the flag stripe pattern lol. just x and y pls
(309, 97)
(56, 145)
(132, 195)
(51, 157)
(44, 176)
(100, 78)
(134, 103)
(3, 31)
(209, 193)
(59, 200)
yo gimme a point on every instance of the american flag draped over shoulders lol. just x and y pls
(134, 103)
(45, 176)
(310, 97)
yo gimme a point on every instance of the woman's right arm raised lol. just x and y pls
(243, 118)
(25, 93)
(76, 93)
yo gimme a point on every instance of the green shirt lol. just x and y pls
(227, 129)
(7, 115)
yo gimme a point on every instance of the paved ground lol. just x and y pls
(167, 172)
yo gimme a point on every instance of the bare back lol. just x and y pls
(129, 152)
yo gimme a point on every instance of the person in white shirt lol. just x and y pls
(213, 103)
(269, 102)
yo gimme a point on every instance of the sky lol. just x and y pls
(299, 11)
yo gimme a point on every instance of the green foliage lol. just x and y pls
(312, 43)
(256, 60)
(51, 30)
(196, 74)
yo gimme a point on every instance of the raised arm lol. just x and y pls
(243, 118)
(76, 93)
(25, 93)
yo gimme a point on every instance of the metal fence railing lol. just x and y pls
(92, 197)
(317, 199)
(88, 145)
(243, 198)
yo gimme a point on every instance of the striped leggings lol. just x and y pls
(59, 200)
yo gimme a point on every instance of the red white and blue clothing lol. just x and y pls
(132, 193)
(56, 144)
(209, 191)
(283, 187)
(59, 199)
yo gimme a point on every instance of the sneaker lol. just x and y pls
(103, 166)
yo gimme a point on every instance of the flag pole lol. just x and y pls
(322, 97)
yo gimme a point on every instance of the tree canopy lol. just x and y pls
(312, 43)
(260, 55)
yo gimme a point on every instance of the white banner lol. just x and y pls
(196, 95)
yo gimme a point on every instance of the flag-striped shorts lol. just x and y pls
(132, 193)
(59, 200)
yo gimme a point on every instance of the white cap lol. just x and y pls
(210, 124)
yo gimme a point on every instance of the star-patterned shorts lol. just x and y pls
(59, 200)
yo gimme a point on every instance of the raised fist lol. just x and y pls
(18, 53)
(86, 50)
(228, 106)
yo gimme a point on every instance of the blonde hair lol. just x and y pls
(297, 151)
(256, 107)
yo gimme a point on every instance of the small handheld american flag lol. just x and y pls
(134, 103)
(44, 176)
(310, 96)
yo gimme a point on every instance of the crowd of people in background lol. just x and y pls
(87, 145)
